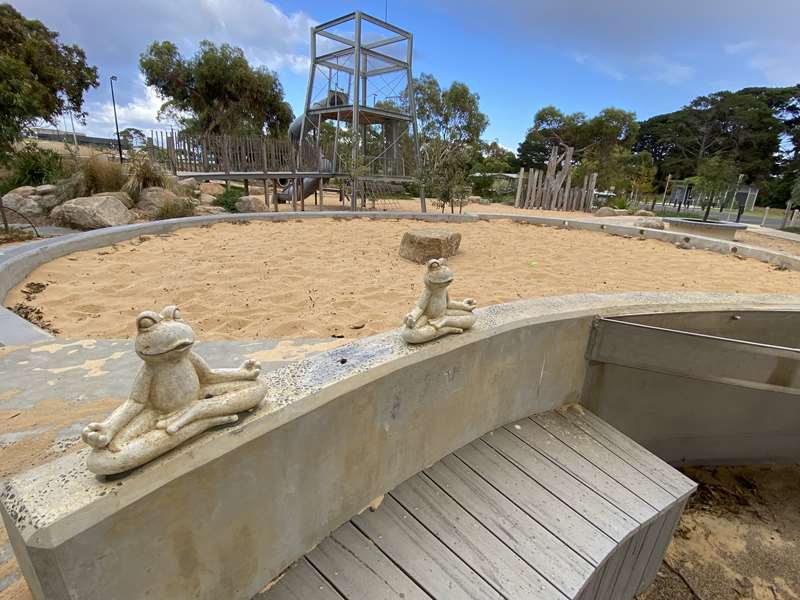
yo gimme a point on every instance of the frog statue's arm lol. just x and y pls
(248, 371)
(100, 435)
(467, 304)
(419, 308)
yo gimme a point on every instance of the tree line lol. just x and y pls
(754, 131)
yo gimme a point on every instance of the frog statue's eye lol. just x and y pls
(171, 312)
(146, 320)
(434, 264)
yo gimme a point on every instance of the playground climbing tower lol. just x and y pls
(359, 107)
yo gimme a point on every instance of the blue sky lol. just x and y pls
(648, 56)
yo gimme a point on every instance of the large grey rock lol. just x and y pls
(24, 204)
(208, 209)
(421, 245)
(45, 189)
(215, 189)
(644, 213)
(188, 183)
(47, 201)
(92, 212)
(649, 223)
(206, 199)
(474, 199)
(24, 190)
(121, 196)
(247, 204)
(605, 211)
(153, 199)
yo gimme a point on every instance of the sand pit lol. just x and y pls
(334, 277)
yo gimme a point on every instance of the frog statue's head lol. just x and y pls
(162, 336)
(438, 273)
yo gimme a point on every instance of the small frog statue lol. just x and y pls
(175, 397)
(435, 314)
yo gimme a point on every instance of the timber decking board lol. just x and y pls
(556, 561)
(347, 559)
(300, 582)
(435, 568)
(583, 500)
(467, 537)
(557, 506)
(670, 479)
(597, 453)
(578, 533)
(550, 446)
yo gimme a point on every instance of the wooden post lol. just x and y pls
(275, 194)
(590, 199)
(793, 222)
(519, 187)
(529, 188)
(246, 187)
(302, 191)
(764, 219)
(266, 193)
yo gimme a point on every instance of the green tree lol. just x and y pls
(40, 78)
(450, 128)
(216, 90)
(132, 138)
(715, 176)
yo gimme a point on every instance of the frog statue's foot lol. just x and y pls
(152, 434)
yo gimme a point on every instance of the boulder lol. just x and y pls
(190, 183)
(46, 189)
(206, 199)
(153, 199)
(208, 209)
(121, 196)
(421, 245)
(484, 201)
(649, 223)
(24, 190)
(215, 189)
(644, 213)
(92, 212)
(605, 211)
(47, 201)
(247, 204)
(24, 204)
(474, 199)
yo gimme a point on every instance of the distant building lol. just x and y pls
(57, 135)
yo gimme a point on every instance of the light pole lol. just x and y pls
(116, 124)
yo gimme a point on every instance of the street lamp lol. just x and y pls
(116, 124)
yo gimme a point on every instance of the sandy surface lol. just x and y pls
(738, 538)
(330, 277)
(756, 239)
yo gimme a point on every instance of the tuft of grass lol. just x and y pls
(228, 199)
(99, 175)
(31, 165)
(15, 234)
(143, 173)
(174, 209)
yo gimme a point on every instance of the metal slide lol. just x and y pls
(310, 184)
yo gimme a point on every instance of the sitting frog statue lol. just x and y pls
(435, 314)
(175, 397)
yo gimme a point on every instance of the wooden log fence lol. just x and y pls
(552, 188)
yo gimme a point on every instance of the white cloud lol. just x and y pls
(778, 69)
(659, 68)
(599, 66)
(140, 112)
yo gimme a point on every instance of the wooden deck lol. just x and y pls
(556, 506)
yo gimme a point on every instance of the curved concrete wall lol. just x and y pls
(18, 263)
(337, 430)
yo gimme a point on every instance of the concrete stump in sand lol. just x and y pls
(421, 245)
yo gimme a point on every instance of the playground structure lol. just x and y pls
(358, 125)
(552, 188)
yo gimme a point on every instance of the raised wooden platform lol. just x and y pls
(556, 506)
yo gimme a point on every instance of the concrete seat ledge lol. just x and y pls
(18, 262)
(335, 431)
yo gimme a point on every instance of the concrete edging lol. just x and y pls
(18, 265)
(335, 431)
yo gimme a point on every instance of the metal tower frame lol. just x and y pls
(364, 50)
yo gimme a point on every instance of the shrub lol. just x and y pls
(101, 175)
(228, 198)
(620, 202)
(143, 173)
(32, 165)
(174, 209)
